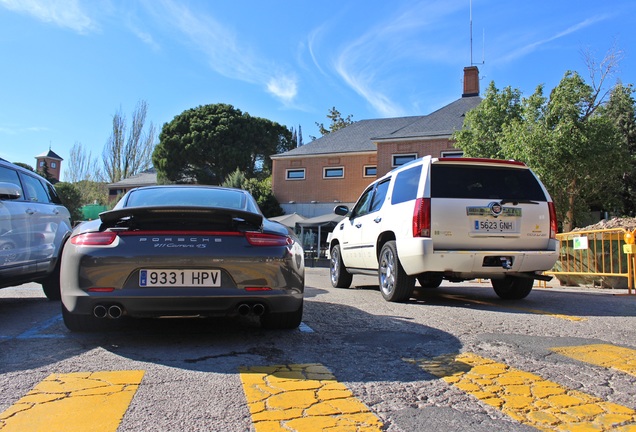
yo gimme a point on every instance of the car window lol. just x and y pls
(406, 183)
(189, 196)
(51, 192)
(363, 204)
(379, 196)
(34, 189)
(10, 176)
(484, 182)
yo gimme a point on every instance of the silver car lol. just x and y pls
(34, 225)
(187, 251)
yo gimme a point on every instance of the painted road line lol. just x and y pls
(608, 356)
(36, 332)
(533, 311)
(527, 397)
(304, 328)
(303, 397)
(81, 401)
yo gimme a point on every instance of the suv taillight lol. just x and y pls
(554, 226)
(422, 218)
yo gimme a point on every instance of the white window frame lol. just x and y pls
(325, 169)
(452, 154)
(288, 171)
(366, 167)
(402, 155)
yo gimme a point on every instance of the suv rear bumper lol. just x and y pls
(417, 256)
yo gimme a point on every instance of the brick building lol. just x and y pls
(51, 162)
(311, 179)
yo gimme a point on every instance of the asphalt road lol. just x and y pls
(455, 358)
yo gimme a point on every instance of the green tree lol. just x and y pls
(71, 198)
(621, 109)
(482, 133)
(261, 190)
(337, 122)
(207, 143)
(572, 147)
(25, 166)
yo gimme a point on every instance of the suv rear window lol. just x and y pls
(487, 182)
(406, 182)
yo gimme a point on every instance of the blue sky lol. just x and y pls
(69, 65)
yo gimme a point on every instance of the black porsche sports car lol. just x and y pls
(182, 250)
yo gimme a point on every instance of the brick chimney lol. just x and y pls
(471, 81)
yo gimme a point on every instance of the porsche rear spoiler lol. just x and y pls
(112, 217)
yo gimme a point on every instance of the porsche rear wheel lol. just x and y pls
(282, 320)
(83, 323)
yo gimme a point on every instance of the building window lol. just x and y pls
(370, 171)
(401, 159)
(295, 174)
(41, 164)
(333, 172)
(452, 154)
(53, 165)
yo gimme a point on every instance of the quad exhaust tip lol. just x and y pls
(257, 309)
(112, 311)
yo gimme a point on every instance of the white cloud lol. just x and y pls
(63, 13)
(529, 48)
(225, 53)
(367, 64)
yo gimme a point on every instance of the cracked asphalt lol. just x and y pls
(454, 358)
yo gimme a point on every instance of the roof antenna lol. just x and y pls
(483, 55)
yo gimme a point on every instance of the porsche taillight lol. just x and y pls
(422, 218)
(264, 239)
(94, 239)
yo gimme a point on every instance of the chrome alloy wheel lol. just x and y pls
(335, 266)
(387, 272)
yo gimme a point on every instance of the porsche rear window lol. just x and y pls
(189, 196)
(484, 182)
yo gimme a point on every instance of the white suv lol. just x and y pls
(449, 218)
(33, 228)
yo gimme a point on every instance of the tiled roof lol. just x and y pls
(442, 122)
(144, 178)
(359, 136)
(49, 154)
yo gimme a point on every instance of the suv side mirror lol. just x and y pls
(9, 191)
(341, 210)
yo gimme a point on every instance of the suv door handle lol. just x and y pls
(358, 225)
(56, 212)
(30, 211)
(377, 220)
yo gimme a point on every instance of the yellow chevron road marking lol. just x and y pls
(609, 356)
(533, 311)
(303, 397)
(527, 397)
(83, 401)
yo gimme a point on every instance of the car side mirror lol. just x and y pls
(341, 210)
(9, 191)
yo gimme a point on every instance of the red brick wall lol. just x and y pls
(316, 188)
(387, 149)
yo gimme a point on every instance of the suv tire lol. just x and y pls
(512, 288)
(340, 277)
(395, 284)
(430, 280)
